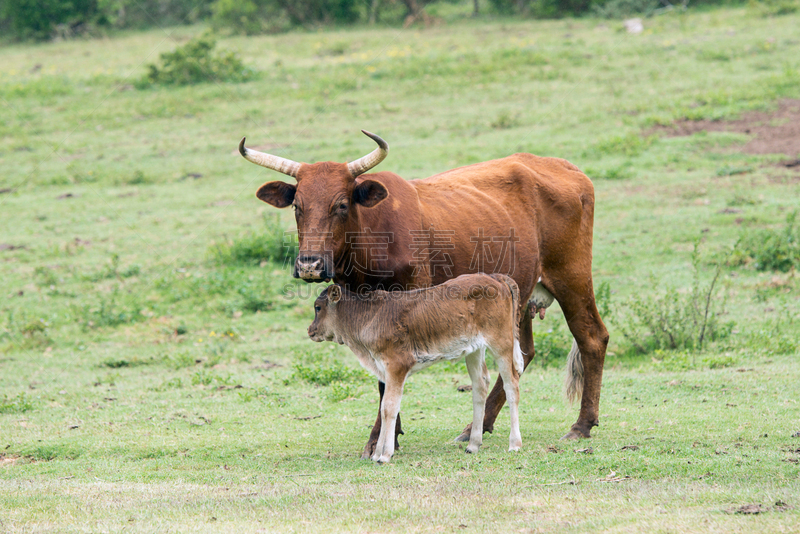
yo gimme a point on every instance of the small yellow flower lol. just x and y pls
(200, 340)
(212, 334)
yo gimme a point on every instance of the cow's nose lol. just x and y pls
(309, 267)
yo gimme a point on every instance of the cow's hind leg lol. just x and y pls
(369, 448)
(576, 298)
(478, 374)
(497, 397)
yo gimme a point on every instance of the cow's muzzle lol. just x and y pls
(312, 268)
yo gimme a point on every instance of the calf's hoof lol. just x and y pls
(472, 449)
(576, 434)
(380, 460)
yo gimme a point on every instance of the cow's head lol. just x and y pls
(324, 201)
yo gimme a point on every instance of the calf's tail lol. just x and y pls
(573, 385)
(519, 362)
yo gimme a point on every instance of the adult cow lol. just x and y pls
(525, 216)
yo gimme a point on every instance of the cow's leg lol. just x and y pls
(369, 448)
(497, 397)
(478, 374)
(576, 298)
(390, 408)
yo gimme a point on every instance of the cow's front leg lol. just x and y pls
(369, 448)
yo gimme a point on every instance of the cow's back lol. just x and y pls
(541, 204)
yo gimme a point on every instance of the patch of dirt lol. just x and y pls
(775, 132)
(754, 509)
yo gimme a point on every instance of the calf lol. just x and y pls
(395, 334)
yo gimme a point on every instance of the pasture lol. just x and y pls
(155, 372)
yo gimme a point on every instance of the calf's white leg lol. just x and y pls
(505, 364)
(476, 365)
(390, 407)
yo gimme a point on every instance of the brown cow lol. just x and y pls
(395, 334)
(525, 216)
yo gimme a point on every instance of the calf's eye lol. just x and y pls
(317, 309)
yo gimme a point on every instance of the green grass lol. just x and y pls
(155, 373)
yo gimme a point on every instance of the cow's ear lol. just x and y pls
(334, 294)
(278, 194)
(369, 193)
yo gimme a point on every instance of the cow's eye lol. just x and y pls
(342, 207)
(317, 309)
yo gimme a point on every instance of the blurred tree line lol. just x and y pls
(46, 19)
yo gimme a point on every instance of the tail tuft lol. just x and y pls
(519, 362)
(573, 385)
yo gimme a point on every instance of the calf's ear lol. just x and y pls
(334, 294)
(278, 194)
(369, 193)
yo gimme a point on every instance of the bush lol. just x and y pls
(194, 63)
(38, 19)
(147, 13)
(272, 244)
(675, 320)
(248, 17)
(772, 250)
(620, 9)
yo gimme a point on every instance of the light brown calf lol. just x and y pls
(395, 334)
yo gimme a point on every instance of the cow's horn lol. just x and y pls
(362, 165)
(276, 163)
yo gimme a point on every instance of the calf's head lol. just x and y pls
(324, 326)
(325, 202)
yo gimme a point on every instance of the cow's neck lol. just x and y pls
(377, 255)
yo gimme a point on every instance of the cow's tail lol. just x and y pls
(519, 362)
(573, 385)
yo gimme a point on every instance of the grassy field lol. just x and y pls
(152, 380)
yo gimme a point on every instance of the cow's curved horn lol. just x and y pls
(276, 163)
(362, 165)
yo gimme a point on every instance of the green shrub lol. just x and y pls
(771, 250)
(38, 19)
(620, 9)
(19, 404)
(272, 244)
(326, 373)
(774, 8)
(147, 13)
(195, 62)
(249, 17)
(675, 320)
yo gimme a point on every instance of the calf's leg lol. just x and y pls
(478, 374)
(390, 408)
(369, 448)
(497, 397)
(505, 365)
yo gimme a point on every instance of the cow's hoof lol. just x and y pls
(575, 434)
(472, 449)
(369, 450)
(465, 434)
(513, 449)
